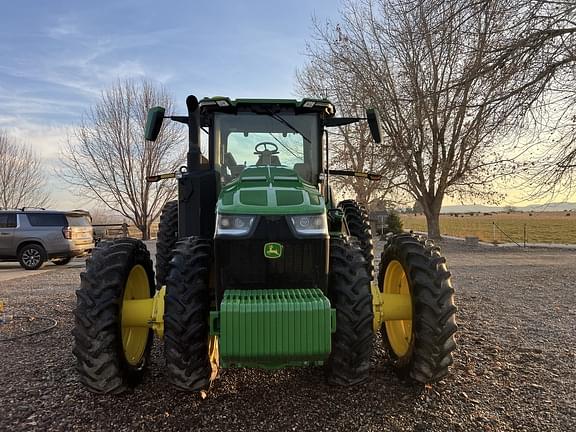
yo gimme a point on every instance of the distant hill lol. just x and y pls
(552, 207)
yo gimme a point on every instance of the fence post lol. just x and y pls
(493, 232)
(524, 235)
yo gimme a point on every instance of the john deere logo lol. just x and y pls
(273, 250)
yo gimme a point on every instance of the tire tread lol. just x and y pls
(434, 322)
(97, 347)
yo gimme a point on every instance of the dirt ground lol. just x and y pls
(514, 369)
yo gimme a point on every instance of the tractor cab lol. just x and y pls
(251, 132)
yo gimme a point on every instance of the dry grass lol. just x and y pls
(544, 227)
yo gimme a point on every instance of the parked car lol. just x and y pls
(32, 237)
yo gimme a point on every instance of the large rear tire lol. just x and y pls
(189, 350)
(166, 241)
(358, 222)
(111, 358)
(349, 293)
(421, 347)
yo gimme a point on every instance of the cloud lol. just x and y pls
(65, 26)
(22, 105)
(45, 139)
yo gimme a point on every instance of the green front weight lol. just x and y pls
(274, 328)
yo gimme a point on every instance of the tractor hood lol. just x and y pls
(270, 190)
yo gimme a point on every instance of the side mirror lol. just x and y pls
(154, 123)
(374, 124)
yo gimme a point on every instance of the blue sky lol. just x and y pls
(57, 56)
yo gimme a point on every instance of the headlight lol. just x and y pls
(234, 225)
(309, 224)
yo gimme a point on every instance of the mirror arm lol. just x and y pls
(341, 121)
(179, 119)
(348, 173)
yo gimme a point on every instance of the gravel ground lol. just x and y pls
(514, 369)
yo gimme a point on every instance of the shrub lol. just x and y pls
(394, 223)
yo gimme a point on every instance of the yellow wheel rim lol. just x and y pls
(214, 354)
(399, 332)
(134, 339)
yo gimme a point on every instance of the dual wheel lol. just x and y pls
(420, 346)
(112, 352)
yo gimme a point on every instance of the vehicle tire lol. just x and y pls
(422, 347)
(31, 256)
(349, 293)
(188, 347)
(111, 358)
(356, 217)
(166, 241)
(61, 261)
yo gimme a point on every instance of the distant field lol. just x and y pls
(544, 227)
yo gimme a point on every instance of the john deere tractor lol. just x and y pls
(258, 266)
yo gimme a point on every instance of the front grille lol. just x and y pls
(242, 264)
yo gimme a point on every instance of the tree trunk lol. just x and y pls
(431, 206)
(433, 222)
(145, 230)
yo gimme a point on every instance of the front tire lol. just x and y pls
(61, 261)
(111, 358)
(421, 347)
(349, 293)
(189, 350)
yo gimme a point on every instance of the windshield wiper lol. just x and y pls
(285, 146)
(286, 123)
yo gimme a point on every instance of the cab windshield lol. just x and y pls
(281, 139)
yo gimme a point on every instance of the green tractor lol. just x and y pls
(258, 266)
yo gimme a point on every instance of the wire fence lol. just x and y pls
(497, 227)
(518, 228)
(110, 231)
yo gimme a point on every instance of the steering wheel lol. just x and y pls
(264, 151)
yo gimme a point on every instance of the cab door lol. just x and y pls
(7, 228)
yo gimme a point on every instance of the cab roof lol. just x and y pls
(225, 104)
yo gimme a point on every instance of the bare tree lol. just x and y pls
(351, 146)
(548, 166)
(21, 175)
(543, 48)
(108, 159)
(452, 80)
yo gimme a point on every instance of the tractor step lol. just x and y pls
(273, 328)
